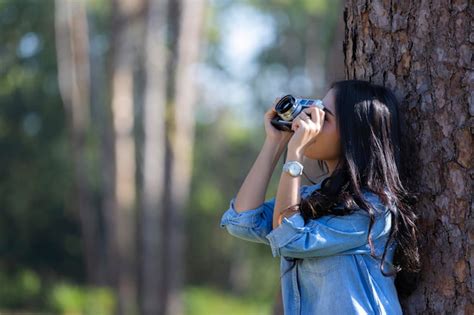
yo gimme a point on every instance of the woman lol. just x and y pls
(337, 238)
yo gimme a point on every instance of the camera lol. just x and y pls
(288, 108)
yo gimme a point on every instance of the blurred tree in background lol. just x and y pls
(125, 129)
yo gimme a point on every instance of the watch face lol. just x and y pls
(294, 169)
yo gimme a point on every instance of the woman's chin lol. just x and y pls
(310, 156)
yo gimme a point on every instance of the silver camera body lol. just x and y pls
(289, 107)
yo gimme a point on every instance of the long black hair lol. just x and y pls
(368, 121)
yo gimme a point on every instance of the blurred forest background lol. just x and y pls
(126, 126)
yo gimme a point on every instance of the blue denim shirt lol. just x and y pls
(335, 273)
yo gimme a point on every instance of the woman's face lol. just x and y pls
(327, 144)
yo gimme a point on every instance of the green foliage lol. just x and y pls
(19, 288)
(72, 299)
(311, 7)
(208, 195)
(24, 289)
(208, 301)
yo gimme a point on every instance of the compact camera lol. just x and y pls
(289, 107)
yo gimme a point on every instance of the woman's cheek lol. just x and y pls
(316, 150)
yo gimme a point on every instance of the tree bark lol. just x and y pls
(153, 159)
(422, 50)
(182, 95)
(72, 46)
(127, 25)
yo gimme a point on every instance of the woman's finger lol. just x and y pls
(303, 122)
(296, 123)
(271, 112)
(293, 125)
(314, 114)
(303, 116)
(321, 116)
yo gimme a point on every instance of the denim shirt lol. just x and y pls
(335, 273)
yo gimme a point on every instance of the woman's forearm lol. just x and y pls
(288, 193)
(252, 192)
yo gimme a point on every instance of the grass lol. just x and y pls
(208, 301)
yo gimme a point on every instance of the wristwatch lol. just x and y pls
(294, 168)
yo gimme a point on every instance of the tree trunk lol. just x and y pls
(153, 159)
(423, 51)
(108, 179)
(127, 25)
(182, 94)
(72, 45)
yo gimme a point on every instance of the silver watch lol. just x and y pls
(294, 168)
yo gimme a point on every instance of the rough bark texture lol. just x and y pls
(422, 50)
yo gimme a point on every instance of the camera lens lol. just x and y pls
(285, 107)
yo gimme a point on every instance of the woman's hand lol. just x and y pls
(306, 129)
(273, 134)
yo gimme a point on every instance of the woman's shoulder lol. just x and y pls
(376, 201)
(369, 196)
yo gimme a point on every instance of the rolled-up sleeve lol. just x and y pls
(254, 224)
(325, 236)
(250, 225)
